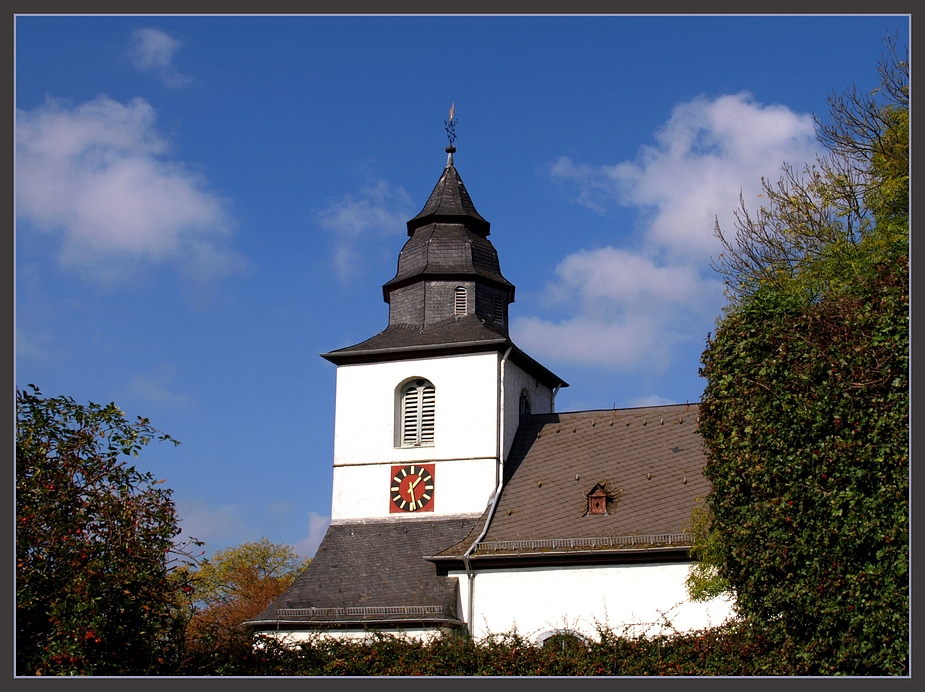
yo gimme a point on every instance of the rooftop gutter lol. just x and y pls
(560, 557)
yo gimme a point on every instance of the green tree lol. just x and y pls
(96, 590)
(819, 227)
(805, 412)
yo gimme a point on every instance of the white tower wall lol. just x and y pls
(366, 445)
(465, 449)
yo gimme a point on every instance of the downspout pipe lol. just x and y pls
(495, 497)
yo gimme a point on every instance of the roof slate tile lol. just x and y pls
(650, 461)
(375, 564)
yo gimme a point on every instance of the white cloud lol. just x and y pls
(227, 526)
(34, 345)
(705, 154)
(377, 211)
(99, 173)
(156, 387)
(625, 310)
(317, 527)
(652, 400)
(151, 50)
(218, 527)
(631, 308)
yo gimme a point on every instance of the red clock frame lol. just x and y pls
(411, 488)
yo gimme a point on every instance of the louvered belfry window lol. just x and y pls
(418, 404)
(499, 309)
(461, 304)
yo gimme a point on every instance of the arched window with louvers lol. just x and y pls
(417, 403)
(461, 301)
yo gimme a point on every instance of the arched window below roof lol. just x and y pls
(417, 409)
(524, 404)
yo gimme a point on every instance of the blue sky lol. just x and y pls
(205, 203)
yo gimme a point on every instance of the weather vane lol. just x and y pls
(451, 125)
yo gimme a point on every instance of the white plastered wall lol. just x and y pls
(632, 599)
(465, 446)
(292, 637)
(515, 382)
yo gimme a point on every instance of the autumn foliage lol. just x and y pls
(236, 584)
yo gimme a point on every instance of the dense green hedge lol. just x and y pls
(805, 416)
(733, 650)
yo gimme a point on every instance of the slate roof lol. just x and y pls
(450, 202)
(454, 332)
(649, 460)
(448, 240)
(373, 573)
(459, 335)
(444, 250)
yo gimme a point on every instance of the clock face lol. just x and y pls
(411, 488)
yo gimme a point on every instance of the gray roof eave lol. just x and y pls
(438, 274)
(373, 353)
(530, 365)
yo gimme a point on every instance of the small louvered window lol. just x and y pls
(461, 301)
(418, 405)
(499, 309)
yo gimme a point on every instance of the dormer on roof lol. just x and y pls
(597, 500)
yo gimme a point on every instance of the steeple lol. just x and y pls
(450, 203)
(448, 296)
(448, 269)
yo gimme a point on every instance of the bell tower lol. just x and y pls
(448, 269)
(427, 409)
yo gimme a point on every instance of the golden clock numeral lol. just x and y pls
(403, 473)
(426, 496)
(426, 487)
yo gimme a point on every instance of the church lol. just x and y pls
(463, 502)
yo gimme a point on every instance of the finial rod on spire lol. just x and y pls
(450, 127)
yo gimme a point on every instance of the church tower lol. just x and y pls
(427, 409)
(442, 521)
